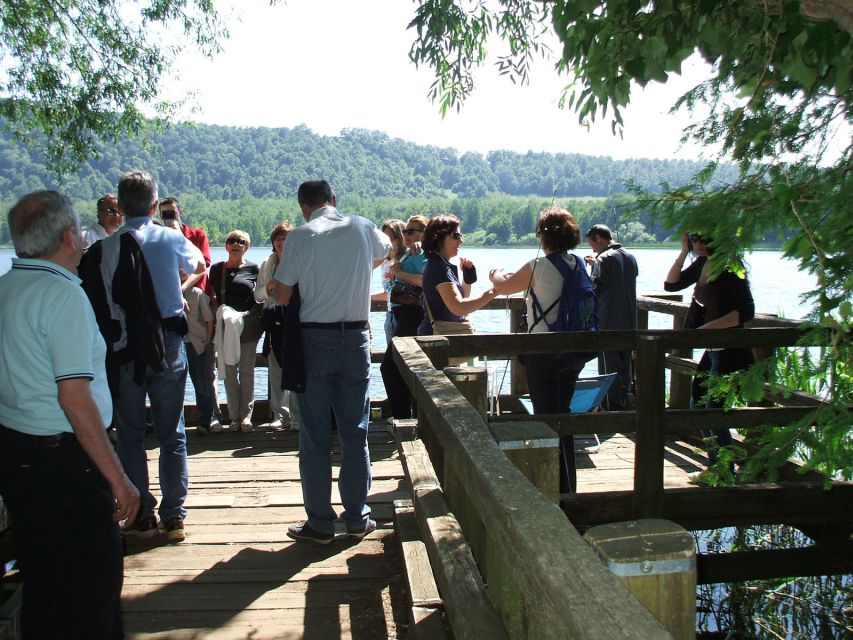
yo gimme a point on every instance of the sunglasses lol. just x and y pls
(456, 235)
(411, 232)
(239, 241)
(695, 237)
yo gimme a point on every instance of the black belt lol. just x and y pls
(336, 326)
(40, 442)
(176, 324)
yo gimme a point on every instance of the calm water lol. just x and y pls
(776, 283)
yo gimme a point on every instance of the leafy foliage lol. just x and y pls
(80, 71)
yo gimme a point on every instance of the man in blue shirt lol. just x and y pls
(59, 477)
(331, 258)
(166, 253)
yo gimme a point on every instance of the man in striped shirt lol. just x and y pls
(331, 258)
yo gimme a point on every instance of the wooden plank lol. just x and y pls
(423, 591)
(568, 591)
(767, 564)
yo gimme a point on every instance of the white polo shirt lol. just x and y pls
(331, 258)
(48, 333)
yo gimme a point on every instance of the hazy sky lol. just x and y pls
(335, 64)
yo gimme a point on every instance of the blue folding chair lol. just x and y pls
(587, 398)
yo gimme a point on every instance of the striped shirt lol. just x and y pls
(48, 333)
(331, 258)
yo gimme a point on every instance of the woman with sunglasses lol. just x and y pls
(720, 302)
(407, 317)
(448, 299)
(233, 285)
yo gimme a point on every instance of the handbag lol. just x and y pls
(405, 293)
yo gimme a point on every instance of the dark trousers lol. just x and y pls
(551, 389)
(68, 547)
(618, 362)
(407, 319)
(717, 363)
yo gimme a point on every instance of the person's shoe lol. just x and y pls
(358, 534)
(143, 528)
(215, 427)
(234, 426)
(203, 430)
(246, 425)
(276, 424)
(302, 532)
(173, 529)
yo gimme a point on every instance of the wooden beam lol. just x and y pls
(651, 423)
(773, 563)
(567, 592)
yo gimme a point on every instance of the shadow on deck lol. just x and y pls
(237, 575)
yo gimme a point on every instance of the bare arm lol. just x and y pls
(457, 305)
(506, 282)
(192, 280)
(731, 319)
(412, 278)
(674, 274)
(76, 401)
(281, 292)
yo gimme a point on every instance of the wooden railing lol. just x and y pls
(554, 582)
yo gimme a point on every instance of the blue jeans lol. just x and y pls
(200, 368)
(551, 390)
(337, 367)
(166, 391)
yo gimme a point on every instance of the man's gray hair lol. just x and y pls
(137, 193)
(37, 222)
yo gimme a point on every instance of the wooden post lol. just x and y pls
(517, 373)
(679, 383)
(534, 448)
(472, 383)
(656, 561)
(435, 348)
(651, 422)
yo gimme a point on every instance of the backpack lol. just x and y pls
(578, 310)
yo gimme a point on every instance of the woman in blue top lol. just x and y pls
(407, 317)
(447, 298)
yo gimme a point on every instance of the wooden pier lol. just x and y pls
(238, 575)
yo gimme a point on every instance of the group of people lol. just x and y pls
(74, 359)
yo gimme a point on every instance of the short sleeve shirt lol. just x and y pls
(438, 271)
(166, 252)
(331, 258)
(48, 334)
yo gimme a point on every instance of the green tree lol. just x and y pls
(779, 104)
(80, 71)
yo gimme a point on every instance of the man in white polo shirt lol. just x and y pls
(59, 477)
(331, 259)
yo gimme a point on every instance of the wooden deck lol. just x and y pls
(238, 576)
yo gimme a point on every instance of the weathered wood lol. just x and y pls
(656, 561)
(767, 564)
(436, 349)
(423, 591)
(535, 449)
(680, 385)
(570, 593)
(517, 372)
(651, 422)
(705, 508)
(469, 611)
(426, 624)
(578, 423)
(745, 418)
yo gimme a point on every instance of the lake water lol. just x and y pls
(777, 286)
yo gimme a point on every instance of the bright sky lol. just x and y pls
(336, 64)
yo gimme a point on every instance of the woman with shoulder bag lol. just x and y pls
(394, 230)
(408, 313)
(447, 299)
(238, 327)
(283, 407)
(550, 380)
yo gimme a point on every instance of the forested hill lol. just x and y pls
(228, 163)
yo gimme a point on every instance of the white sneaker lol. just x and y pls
(276, 424)
(246, 425)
